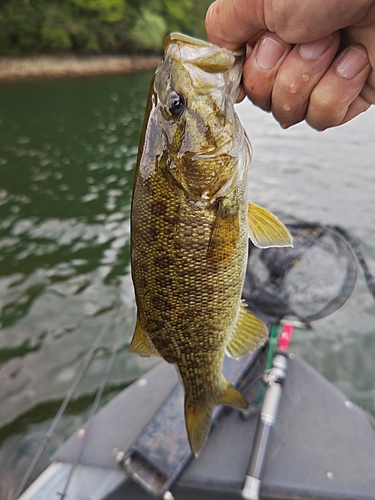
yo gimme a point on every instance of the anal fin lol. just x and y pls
(229, 395)
(141, 343)
(248, 334)
(265, 229)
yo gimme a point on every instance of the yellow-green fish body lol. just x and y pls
(190, 226)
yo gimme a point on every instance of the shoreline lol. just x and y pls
(48, 66)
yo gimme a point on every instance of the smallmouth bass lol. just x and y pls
(190, 225)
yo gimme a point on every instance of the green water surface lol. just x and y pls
(67, 156)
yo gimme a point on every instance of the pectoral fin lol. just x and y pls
(265, 229)
(248, 334)
(224, 231)
(141, 343)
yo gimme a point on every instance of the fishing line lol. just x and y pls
(82, 370)
(103, 383)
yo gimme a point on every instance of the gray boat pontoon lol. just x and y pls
(321, 447)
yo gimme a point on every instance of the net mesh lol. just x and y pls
(309, 281)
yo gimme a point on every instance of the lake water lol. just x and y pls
(67, 156)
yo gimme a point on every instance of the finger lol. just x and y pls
(336, 98)
(358, 106)
(365, 99)
(368, 91)
(297, 77)
(241, 94)
(232, 24)
(261, 67)
(366, 38)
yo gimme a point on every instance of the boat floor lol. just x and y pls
(322, 447)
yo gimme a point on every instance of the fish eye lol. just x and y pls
(176, 104)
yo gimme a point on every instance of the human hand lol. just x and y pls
(310, 60)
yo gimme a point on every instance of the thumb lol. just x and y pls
(233, 23)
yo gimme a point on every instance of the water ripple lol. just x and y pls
(67, 156)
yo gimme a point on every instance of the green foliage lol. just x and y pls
(149, 30)
(56, 29)
(106, 10)
(19, 27)
(95, 26)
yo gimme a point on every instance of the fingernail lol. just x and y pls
(269, 53)
(313, 50)
(351, 62)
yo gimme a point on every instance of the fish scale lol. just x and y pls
(190, 226)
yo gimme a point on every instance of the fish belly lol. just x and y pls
(187, 293)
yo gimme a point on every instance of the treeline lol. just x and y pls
(95, 26)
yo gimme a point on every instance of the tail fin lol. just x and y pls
(198, 418)
(198, 421)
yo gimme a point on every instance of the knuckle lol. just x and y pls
(323, 103)
(324, 111)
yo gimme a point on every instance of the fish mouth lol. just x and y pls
(175, 37)
(186, 39)
(201, 66)
(204, 55)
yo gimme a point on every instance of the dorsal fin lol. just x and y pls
(248, 334)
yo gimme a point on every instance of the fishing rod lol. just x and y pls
(274, 379)
(274, 287)
(94, 408)
(46, 438)
(280, 283)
